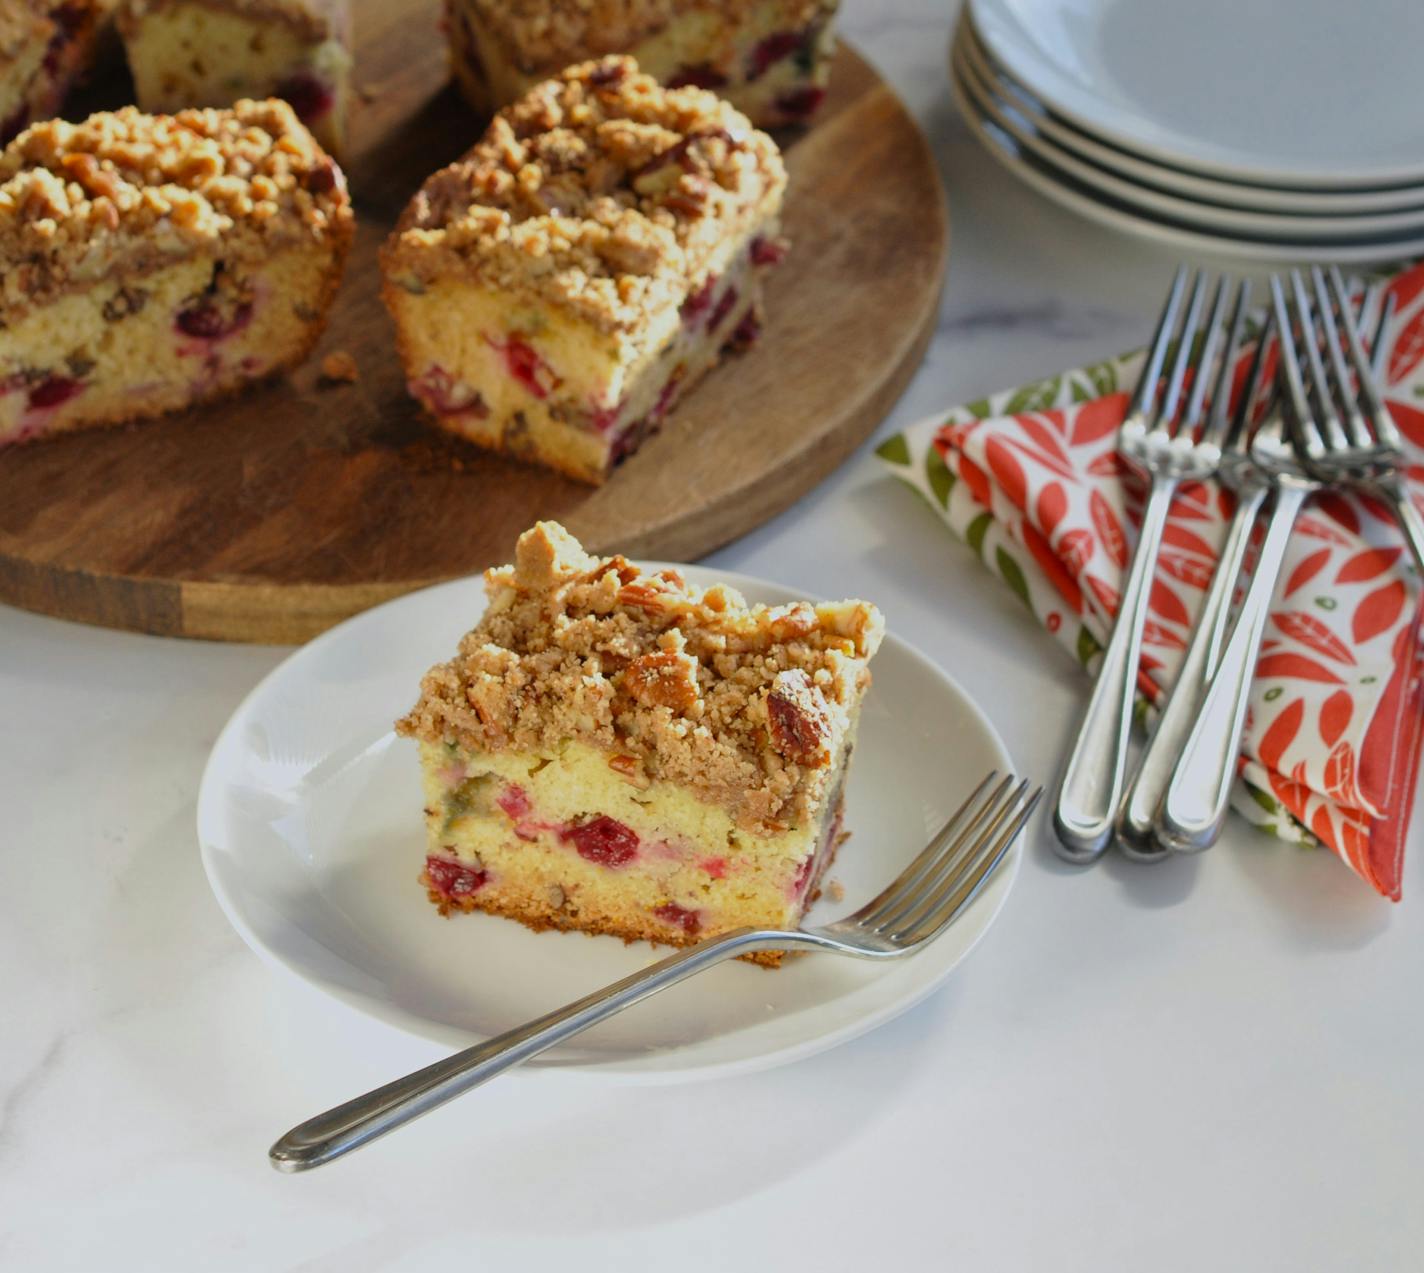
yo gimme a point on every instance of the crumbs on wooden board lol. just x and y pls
(340, 368)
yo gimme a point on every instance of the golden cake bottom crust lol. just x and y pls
(535, 908)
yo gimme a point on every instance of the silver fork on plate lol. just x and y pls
(1358, 443)
(911, 912)
(1162, 446)
(1137, 829)
(1193, 809)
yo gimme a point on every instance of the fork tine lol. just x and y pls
(1219, 424)
(1172, 397)
(1259, 376)
(912, 875)
(1145, 395)
(1349, 400)
(881, 917)
(1327, 418)
(1290, 363)
(1203, 377)
(928, 898)
(1378, 346)
(967, 884)
(1367, 372)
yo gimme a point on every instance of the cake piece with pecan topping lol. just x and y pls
(557, 290)
(769, 58)
(44, 45)
(622, 752)
(151, 262)
(213, 52)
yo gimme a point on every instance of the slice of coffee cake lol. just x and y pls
(214, 52)
(621, 752)
(769, 58)
(150, 262)
(557, 290)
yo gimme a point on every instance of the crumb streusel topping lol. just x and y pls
(543, 33)
(125, 191)
(315, 19)
(745, 705)
(600, 191)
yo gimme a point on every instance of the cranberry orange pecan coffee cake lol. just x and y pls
(214, 52)
(560, 287)
(769, 58)
(44, 45)
(150, 262)
(622, 752)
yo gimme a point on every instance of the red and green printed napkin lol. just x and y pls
(1032, 481)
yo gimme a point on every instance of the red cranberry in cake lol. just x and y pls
(148, 263)
(602, 839)
(44, 46)
(758, 54)
(212, 52)
(452, 880)
(578, 304)
(690, 784)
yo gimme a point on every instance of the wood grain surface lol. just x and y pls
(275, 515)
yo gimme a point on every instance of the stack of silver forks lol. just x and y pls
(1309, 416)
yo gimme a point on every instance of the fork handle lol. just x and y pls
(1396, 494)
(1092, 783)
(1144, 796)
(364, 1118)
(1194, 808)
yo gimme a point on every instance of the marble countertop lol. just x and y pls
(1217, 1062)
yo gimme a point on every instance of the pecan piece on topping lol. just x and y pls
(96, 180)
(619, 567)
(799, 720)
(642, 595)
(664, 678)
(794, 624)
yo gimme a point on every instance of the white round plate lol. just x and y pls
(1228, 194)
(1097, 206)
(1209, 217)
(1279, 92)
(312, 838)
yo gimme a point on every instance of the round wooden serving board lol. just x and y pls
(272, 516)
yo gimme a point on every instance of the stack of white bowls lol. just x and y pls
(1273, 129)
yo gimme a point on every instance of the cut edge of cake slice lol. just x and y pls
(187, 53)
(560, 288)
(770, 59)
(44, 47)
(621, 752)
(155, 262)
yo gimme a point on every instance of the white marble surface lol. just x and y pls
(1214, 1063)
